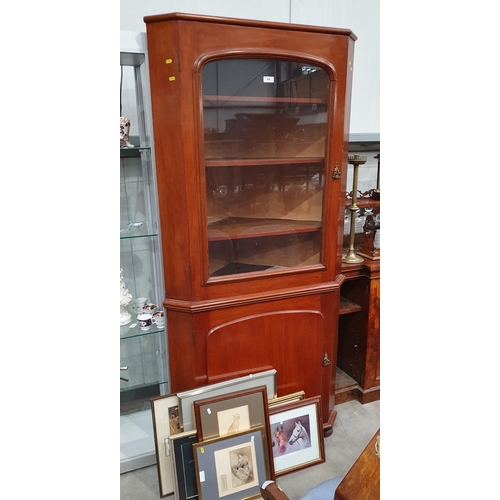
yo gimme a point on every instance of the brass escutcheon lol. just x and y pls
(336, 172)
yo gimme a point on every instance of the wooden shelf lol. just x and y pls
(347, 307)
(238, 227)
(346, 388)
(258, 162)
(246, 99)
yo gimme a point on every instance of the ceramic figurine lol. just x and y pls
(124, 132)
(125, 298)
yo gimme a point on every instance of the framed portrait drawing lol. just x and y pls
(297, 435)
(184, 470)
(232, 467)
(166, 422)
(187, 398)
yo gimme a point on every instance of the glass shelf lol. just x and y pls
(127, 333)
(145, 230)
(132, 152)
(143, 355)
(141, 387)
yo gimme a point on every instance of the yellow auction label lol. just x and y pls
(202, 450)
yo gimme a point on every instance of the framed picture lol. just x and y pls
(296, 396)
(166, 422)
(187, 398)
(231, 413)
(297, 435)
(232, 467)
(184, 470)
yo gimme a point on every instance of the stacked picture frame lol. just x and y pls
(297, 431)
(224, 440)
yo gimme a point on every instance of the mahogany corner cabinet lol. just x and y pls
(251, 130)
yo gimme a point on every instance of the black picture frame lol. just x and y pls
(183, 463)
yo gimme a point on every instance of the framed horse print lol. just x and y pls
(297, 435)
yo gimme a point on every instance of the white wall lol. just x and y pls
(133, 11)
(361, 16)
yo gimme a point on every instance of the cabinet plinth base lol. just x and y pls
(368, 396)
(328, 426)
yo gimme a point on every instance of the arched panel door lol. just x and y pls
(291, 342)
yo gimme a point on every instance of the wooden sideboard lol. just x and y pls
(358, 354)
(362, 481)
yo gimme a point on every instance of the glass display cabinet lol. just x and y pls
(251, 123)
(143, 353)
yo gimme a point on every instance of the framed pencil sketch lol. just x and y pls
(166, 422)
(297, 435)
(184, 470)
(187, 398)
(232, 467)
(231, 413)
(296, 396)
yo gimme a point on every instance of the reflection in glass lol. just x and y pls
(264, 128)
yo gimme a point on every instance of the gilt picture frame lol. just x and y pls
(232, 467)
(288, 398)
(297, 435)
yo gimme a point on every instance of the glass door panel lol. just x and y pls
(265, 125)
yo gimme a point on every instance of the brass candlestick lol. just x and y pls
(355, 161)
